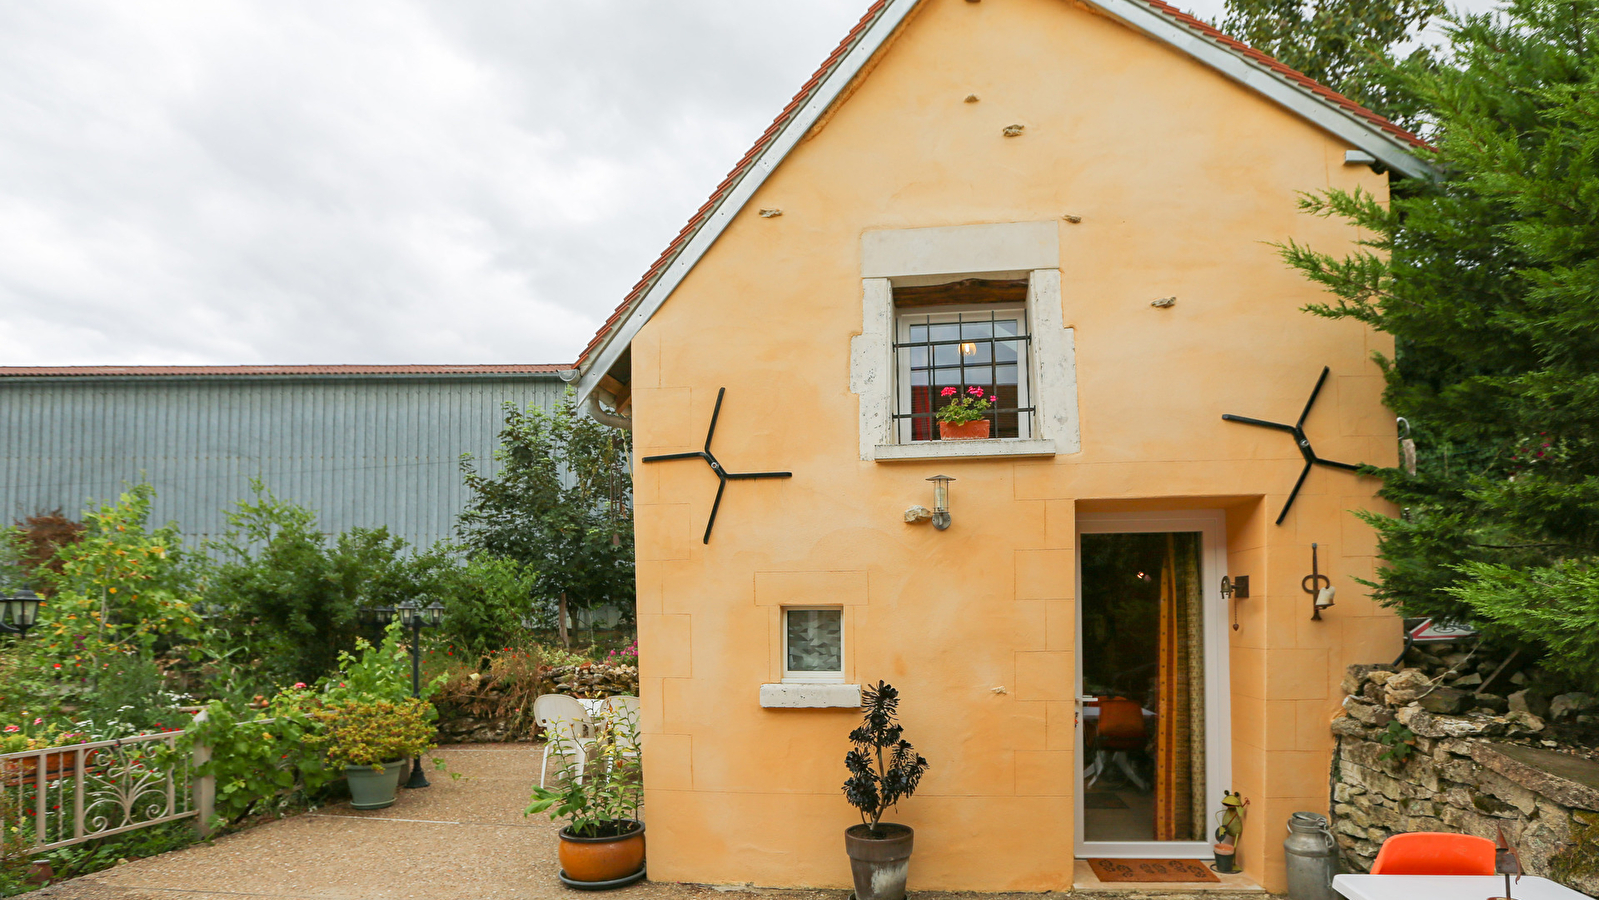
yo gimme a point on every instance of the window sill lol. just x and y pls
(810, 696)
(991, 448)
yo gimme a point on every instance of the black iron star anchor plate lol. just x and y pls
(722, 475)
(1298, 431)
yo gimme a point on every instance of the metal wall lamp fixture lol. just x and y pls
(1298, 431)
(722, 475)
(941, 518)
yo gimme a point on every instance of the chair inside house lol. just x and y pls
(1435, 853)
(625, 710)
(1120, 728)
(566, 732)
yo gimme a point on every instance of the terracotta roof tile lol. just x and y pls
(872, 13)
(85, 371)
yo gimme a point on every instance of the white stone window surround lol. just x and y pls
(934, 255)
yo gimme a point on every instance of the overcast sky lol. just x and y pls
(368, 181)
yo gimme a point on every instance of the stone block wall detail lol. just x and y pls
(1473, 772)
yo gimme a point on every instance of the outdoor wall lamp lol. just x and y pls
(1318, 586)
(22, 611)
(941, 501)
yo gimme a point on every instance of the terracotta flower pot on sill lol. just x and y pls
(975, 430)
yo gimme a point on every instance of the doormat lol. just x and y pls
(1165, 870)
(1103, 800)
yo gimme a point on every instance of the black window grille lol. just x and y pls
(986, 349)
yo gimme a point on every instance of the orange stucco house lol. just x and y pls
(1067, 204)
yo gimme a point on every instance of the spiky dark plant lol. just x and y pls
(883, 767)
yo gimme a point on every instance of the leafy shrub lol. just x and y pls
(260, 763)
(291, 598)
(375, 732)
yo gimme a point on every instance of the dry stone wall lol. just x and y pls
(1403, 764)
(479, 708)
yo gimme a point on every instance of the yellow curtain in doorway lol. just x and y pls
(1180, 722)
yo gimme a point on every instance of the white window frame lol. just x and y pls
(792, 677)
(902, 372)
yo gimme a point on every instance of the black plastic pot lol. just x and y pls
(880, 861)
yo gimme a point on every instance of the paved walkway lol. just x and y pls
(461, 839)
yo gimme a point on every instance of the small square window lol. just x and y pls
(813, 645)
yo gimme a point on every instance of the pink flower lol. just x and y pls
(947, 392)
(299, 685)
(975, 391)
(38, 721)
(13, 728)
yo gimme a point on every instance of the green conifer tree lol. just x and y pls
(1488, 279)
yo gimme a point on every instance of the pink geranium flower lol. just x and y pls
(13, 728)
(947, 392)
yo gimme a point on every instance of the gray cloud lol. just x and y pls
(366, 181)
(382, 181)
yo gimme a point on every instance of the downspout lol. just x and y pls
(593, 408)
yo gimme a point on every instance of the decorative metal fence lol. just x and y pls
(66, 795)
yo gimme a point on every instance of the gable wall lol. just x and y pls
(1180, 177)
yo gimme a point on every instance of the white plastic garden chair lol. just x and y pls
(625, 710)
(566, 728)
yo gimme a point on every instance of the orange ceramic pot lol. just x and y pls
(604, 858)
(975, 430)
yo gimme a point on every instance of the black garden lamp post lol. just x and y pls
(415, 616)
(21, 612)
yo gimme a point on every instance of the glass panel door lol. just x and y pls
(1143, 664)
(1152, 699)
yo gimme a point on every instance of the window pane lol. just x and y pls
(1007, 328)
(918, 378)
(950, 331)
(918, 356)
(815, 640)
(971, 330)
(951, 375)
(947, 354)
(1005, 375)
(1005, 351)
(979, 355)
(918, 332)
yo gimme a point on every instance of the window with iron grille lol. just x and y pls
(980, 346)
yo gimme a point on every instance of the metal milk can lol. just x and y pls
(1312, 857)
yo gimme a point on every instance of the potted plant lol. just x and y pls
(370, 739)
(964, 418)
(602, 845)
(883, 769)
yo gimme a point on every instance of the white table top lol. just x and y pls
(1449, 887)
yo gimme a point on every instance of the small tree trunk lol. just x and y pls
(560, 623)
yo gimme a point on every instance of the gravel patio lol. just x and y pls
(461, 839)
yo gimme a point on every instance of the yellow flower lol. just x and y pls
(113, 590)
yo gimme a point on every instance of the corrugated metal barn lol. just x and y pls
(359, 445)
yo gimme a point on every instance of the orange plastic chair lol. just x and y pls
(1435, 853)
